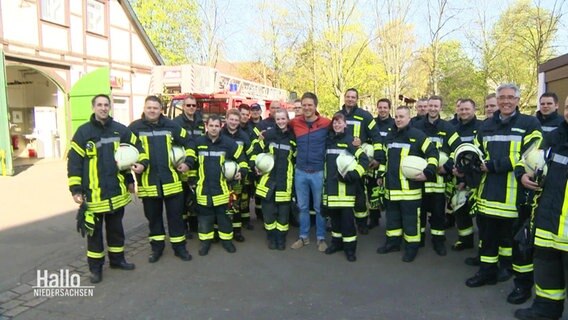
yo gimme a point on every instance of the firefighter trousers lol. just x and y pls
(522, 259)
(114, 238)
(403, 220)
(435, 203)
(550, 277)
(153, 210)
(207, 216)
(493, 232)
(190, 202)
(464, 222)
(343, 231)
(276, 215)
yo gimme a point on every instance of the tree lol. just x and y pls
(395, 46)
(523, 37)
(439, 17)
(208, 40)
(172, 26)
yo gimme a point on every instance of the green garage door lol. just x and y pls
(5, 142)
(91, 84)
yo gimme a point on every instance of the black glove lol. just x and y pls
(351, 176)
(80, 217)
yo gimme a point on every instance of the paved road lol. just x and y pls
(254, 283)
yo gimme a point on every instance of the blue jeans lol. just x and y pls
(306, 182)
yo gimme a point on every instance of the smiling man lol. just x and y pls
(503, 139)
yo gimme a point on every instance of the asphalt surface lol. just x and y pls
(253, 283)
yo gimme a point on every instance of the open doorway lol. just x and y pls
(36, 111)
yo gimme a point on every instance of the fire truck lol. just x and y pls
(214, 91)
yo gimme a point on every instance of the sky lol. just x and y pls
(242, 28)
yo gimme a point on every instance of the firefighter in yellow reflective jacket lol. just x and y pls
(275, 186)
(445, 139)
(503, 139)
(551, 232)
(340, 188)
(362, 127)
(96, 182)
(160, 183)
(212, 191)
(405, 195)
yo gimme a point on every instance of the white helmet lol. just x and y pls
(535, 160)
(411, 166)
(442, 159)
(345, 162)
(369, 150)
(264, 162)
(177, 156)
(467, 155)
(230, 169)
(125, 156)
(459, 199)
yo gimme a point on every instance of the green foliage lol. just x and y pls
(172, 25)
(522, 38)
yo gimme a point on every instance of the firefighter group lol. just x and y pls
(342, 175)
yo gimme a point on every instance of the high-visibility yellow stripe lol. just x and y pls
(336, 234)
(225, 236)
(412, 238)
(523, 269)
(465, 232)
(177, 239)
(487, 259)
(115, 249)
(551, 294)
(282, 227)
(394, 233)
(350, 239)
(75, 147)
(74, 180)
(562, 228)
(435, 232)
(506, 251)
(206, 236)
(95, 255)
(159, 237)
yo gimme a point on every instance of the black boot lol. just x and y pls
(334, 247)
(96, 273)
(410, 253)
(532, 314)
(154, 256)
(117, 261)
(350, 256)
(281, 240)
(229, 246)
(387, 248)
(204, 247)
(439, 246)
(463, 243)
(422, 239)
(480, 279)
(373, 218)
(181, 252)
(271, 237)
(238, 235)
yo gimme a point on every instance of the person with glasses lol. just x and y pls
(503, 139)
(192, 121)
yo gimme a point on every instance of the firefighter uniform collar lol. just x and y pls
(497, 117)
(153, 124)
(99, 124)
(346, 112)
(541, 117)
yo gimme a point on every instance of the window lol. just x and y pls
(96, 16)
(53, 10)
